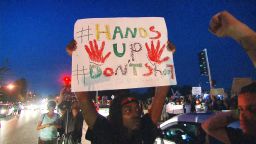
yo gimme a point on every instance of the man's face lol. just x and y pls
(131, 113)
(247, 107)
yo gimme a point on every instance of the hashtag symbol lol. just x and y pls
(84, 33)
(80, 72)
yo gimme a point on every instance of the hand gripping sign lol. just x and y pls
(120, 53)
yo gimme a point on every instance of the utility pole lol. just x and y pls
(208, 68)
(205, 66)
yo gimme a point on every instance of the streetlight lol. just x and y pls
(10, 86)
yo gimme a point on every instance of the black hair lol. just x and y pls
(251, 88)
(51, 104)
(64, 105)
(115, 110)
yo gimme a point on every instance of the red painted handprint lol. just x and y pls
(95, 53)
(154, 53)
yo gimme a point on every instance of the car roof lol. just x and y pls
(188, 117)
(5, 104)
(192, 118)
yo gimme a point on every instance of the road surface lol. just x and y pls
(22, 129)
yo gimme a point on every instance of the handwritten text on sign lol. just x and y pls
(119, 53)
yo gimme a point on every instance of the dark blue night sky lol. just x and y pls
(33, 36)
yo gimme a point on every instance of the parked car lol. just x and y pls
(6, 110)
(186, 129)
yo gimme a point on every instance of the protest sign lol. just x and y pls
(196, 90)
(217, 91)
(120, 53)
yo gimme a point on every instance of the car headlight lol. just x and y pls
(3, 111)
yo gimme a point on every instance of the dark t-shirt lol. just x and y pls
(236, 136)
(75, 125)
(103, 133)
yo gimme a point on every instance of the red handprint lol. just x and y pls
(95, 53)
(154, 54)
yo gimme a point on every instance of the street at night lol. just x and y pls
(22, 129)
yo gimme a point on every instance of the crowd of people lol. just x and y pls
(126, 124)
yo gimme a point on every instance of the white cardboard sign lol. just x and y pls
(120, 53)
(196, 90)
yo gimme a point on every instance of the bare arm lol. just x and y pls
(88, 109)
(224, 24)
(61, 96)
(249, 45)
(41, 126)
(56, 125)
(160, 93)
(87, 106)
(158, 103)
(215, 125)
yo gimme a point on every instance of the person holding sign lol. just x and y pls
(125, 124)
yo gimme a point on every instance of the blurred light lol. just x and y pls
(67, 80)
(10, 86)
(206, 96)
(43, 105)
(32, 107)
(104, 112)
(184, 137)
(3, 111)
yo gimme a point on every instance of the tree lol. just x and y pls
(3, 96)
(3, 70)
(21, 89)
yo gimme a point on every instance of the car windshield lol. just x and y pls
(184, 132)
(188, 132)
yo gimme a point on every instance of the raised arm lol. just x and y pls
(88, 109)
(216, 125)
(224, 24)
(158, 103)
(61, 96)
(86, 104)
(160, 93)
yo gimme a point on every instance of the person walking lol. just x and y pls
(48, 125)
